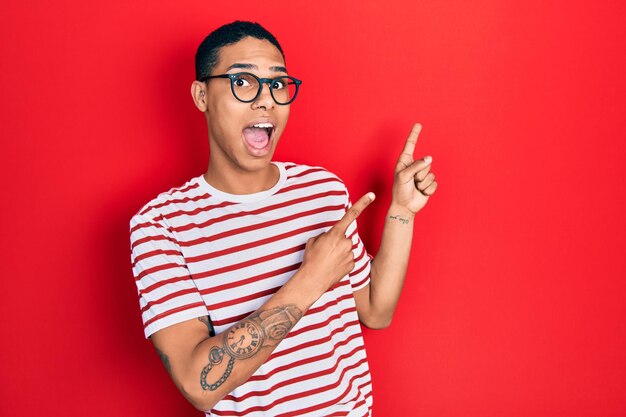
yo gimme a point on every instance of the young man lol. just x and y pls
(252, 278)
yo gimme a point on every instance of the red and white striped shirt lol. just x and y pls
(198, 251)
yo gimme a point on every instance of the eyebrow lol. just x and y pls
(252, 66)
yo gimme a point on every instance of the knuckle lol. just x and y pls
(431, 189)
(427, 181)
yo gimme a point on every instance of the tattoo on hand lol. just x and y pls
(246, 338)
(400, 219)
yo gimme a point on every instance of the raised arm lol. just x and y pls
(413, 185)
(206, 368)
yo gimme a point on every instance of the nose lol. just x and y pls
(265, 97)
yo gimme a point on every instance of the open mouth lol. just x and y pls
(258, 136)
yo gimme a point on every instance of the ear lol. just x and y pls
(198, 93)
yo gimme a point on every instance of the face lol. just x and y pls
(234, 143)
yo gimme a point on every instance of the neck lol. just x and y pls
(234, 180)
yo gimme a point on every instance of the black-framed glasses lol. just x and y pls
(247, 87)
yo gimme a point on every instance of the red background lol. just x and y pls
(515, 298)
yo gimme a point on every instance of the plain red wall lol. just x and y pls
(514, 303)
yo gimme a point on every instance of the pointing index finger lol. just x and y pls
(409, 146)
(357, 208)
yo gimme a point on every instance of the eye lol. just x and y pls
(242, 81)
(278, 84)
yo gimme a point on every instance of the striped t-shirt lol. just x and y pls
(198, 251)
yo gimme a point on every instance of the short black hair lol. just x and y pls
(208, 51)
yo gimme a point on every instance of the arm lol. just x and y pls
(413, 184)
(206, 368)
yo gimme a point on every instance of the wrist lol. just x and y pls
(304, 286)
(400, 211)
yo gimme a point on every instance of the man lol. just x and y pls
(252, 278)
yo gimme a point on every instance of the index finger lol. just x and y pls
(409, 146)
(351, 215)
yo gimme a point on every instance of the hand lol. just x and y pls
(413, 182)
(329, 255)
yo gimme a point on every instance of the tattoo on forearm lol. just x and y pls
(400, 219)
(246, 338)
(166, 361)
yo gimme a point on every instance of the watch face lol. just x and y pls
(244, 339)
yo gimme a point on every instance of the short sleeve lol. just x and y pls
(360, 275)
(167, 293)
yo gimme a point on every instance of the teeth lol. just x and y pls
(263, 125)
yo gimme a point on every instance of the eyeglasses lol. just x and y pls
(247, 87)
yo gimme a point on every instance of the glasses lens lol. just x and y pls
(245, 87)
(284, 89)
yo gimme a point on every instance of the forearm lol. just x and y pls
(389, 266)
(219, 364)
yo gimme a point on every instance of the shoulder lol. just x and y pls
(309, 172)
(313, 180)
(157, 208)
